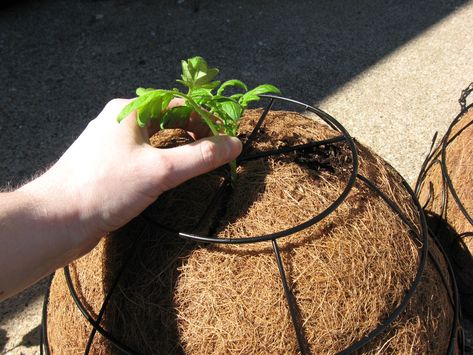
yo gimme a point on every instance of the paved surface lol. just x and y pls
(390, 71)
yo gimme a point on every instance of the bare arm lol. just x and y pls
(107, 177)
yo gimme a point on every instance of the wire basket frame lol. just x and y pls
(438, 157)
(420, 237)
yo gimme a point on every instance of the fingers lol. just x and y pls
(128, 128)
(176, 102)
(182, 163)
(113, 108)
(194, 125)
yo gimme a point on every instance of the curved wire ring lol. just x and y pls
(439, 156)
(283, 233)
(444, 166)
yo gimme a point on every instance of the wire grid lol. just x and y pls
(438, 156)
(420, 238)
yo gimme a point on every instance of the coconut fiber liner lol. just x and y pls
(445, 187)
(365, 277)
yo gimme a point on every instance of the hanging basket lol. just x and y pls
(445, 189)
(320, 247)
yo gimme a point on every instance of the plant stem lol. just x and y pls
(202, 113)
(208, 120)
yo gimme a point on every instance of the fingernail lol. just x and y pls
(236, 143)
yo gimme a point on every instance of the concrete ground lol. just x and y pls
(390, 71)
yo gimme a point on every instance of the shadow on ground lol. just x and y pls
(10, 308)
(31, 339)
(3, 339)
(62, 60)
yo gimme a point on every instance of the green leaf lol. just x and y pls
(221, 98)
(155, 108)
(186, 74)
(174, 115)
(265, 89)
(148, 106)
(253, 95)
(166, 100)
(185, 83)
(246, 98)
(143, 91)
(142, 117)
(206, 77)
(197, 63)
(133, 106)
(151, 110)
(236, 97)
(158, 105)
(212, 85)
(230, 109)
(196, 73)
(233, 82)
(201, 95)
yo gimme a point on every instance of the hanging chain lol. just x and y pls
(464, 95)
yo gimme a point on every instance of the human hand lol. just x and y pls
(111, 173)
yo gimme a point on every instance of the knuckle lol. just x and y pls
(113, 108)
(116, 104)
(166, 175)
(209, 153)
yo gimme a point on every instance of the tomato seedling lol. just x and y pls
(205, 96)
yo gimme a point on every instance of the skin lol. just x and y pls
(106, 178)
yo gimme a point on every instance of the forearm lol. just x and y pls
(34, 237)
(107, 177)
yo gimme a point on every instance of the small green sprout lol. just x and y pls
(205, 96)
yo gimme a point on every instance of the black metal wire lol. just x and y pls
(216, 198)
(383, 326)
(127, 259)
(291, 302)
(464, 95)
(457, 329)
(434, 155)
(290, 149)
(439, 156)
(461, 236)
(251, 137)
(447, 178)
(432, 159)
(95, 323)
(332, 207)
(345, 137)
(91, 319)
(43, 342)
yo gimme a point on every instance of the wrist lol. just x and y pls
(57, 218)
(36, 239)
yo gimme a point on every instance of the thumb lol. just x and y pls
(187, 161)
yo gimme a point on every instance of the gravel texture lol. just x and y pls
(390, 71)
